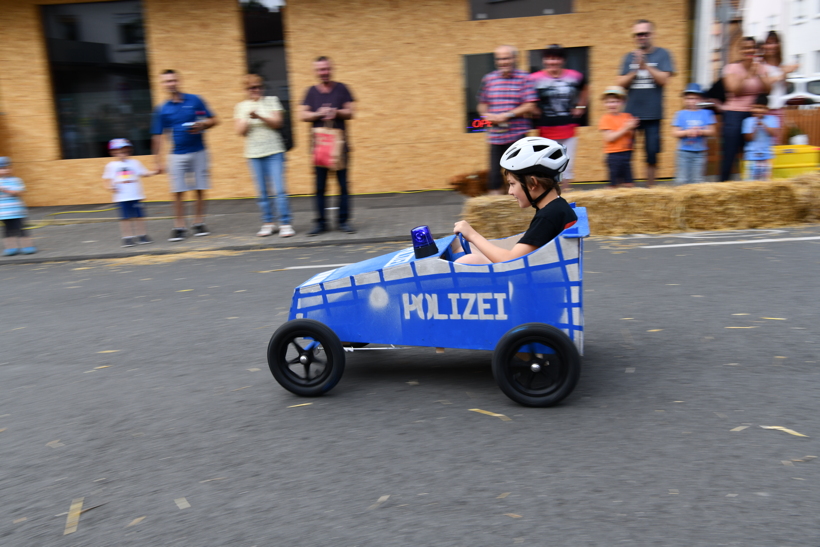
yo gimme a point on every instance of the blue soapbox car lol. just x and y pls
(528, 311)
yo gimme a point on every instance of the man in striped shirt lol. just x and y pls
(506, 97)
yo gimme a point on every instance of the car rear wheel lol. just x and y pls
(536, 365)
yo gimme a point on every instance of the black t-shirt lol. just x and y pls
(548, 222)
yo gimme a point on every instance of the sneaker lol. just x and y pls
(200, 230)
(318, 229)
(266, 230)
(128, 242)
(29, 250)
(177, 234)
(144, 240)
(286, 231)
(10, 252)
(347, 228)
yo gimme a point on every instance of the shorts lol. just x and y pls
(757, 170)
(131, 209)
(620, 167)
(196, 163)
(571, 144)
(14, 227)
(651, 139)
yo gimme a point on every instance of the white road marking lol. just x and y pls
(738, 242)
(316, 266)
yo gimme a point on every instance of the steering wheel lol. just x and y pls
(464, 245)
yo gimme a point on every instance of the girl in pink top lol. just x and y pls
(743, 80)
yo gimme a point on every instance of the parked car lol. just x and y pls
(802, 91)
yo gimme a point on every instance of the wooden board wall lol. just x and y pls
(403, 61)
(203, 39)
(401, 58)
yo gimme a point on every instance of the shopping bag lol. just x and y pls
(328, 147)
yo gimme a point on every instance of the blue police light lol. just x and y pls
(423, 244)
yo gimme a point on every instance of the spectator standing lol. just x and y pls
(13, 212)
(123, 178)
(618, 129)
(744, 81)
(258, 119)
(693, 125)
(329, 103)
(644, 73)
(562, 99)
(760, 130)
(505, 98)
(777, 72)
(185, 117)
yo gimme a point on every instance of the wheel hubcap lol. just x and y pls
(535, 367)
(304, 359)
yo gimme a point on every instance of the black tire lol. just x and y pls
(306, 357)
(531, 378)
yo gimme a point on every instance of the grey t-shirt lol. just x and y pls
(645, 100)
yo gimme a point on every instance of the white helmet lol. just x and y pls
(536, 156)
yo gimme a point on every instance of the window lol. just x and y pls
(799, 10)
(475, 67)
(99, 74)
(503, 9)
(772, 22)
(816, 61)
(813, 87)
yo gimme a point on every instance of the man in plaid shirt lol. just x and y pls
(506, 96)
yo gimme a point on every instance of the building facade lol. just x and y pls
(798, 24)
(409, 64)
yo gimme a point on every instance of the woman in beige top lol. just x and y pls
(258, 119)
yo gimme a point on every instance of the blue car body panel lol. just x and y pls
(398, 299)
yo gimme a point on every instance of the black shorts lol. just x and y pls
(14, 227)
(620, 167)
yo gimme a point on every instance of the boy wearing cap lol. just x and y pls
(692, 126)
(13, 212)
(760, 131)
(617, 128)
(122, 177)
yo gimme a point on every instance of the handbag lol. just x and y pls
(328, 147)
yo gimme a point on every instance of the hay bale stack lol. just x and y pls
(696, 207)
(807, 196)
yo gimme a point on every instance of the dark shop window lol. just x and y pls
(99, 74)
(475, 67)
(504, 9)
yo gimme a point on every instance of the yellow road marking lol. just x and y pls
(73, 519)
(303, 404)
(493, 414)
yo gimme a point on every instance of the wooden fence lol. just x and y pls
(807, 119)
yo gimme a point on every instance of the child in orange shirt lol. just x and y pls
(618, 128)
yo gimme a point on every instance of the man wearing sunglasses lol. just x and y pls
(644, 73)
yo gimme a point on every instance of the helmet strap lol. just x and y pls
(533, 202)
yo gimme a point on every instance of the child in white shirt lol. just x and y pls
(122, 177)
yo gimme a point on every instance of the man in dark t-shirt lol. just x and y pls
(644, 73)
(329, 103)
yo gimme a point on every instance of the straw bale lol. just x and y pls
(737, 205)
(630, 210)
(707, 206)
(807, 196)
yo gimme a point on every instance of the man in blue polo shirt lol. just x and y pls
(186, 116)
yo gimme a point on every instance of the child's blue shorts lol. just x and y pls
(131, 209)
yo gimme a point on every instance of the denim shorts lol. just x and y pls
(131, 209)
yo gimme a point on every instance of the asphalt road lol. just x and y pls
(141, 386)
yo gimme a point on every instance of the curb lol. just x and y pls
(31, 259)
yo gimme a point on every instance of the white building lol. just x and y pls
(798, 24)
